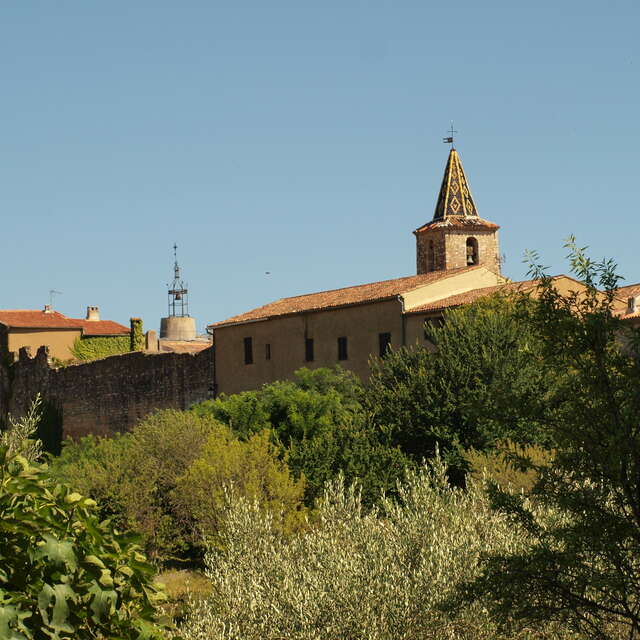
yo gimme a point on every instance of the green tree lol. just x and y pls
(318, 422)
(482, 383)
(582, 564)
(229, 468)
(64, 574)
(132, 476)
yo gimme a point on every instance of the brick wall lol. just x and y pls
(108, 395)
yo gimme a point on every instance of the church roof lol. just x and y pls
(455, 207)
(359, 294)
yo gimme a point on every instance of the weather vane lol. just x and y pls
(449, 139)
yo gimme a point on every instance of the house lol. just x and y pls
(457, 258)
(32, 328)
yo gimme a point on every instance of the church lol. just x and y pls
(457, 261)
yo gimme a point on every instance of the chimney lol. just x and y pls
(632, 304)
(47, 309)
(93, 313)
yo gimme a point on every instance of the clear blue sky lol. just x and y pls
(301, 138)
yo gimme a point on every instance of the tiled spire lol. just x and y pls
(455, 196)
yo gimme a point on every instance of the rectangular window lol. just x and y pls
(248, 350)
(308, 349)
(342, 348)
(267, 351)
(384, 340)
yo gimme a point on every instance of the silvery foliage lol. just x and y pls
(355, 575)
(18, 436)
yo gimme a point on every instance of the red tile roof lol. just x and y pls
(30, 319)
(347, 296)
(27, 319)
(473, 295)
(103, 328)
(458, 222)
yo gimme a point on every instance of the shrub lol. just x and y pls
(377, 575)
(63, 573)
(229, 467)
(132, 476)
(319, 423)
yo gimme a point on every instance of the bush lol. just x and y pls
(63, 573)
(376, 575)
(318, 422)
(228, 467)
(132, 476)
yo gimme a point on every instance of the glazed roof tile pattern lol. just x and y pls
(30, 319)
(347, 296)
(473, 295)
(455, 196)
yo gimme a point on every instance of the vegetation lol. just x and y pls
(136, 337)
(100, 347)
(483, 383)
(319, 424)
(582, 568)
(376, 574)
(484, 490)
(64, 573)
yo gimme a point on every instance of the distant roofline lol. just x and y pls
(413, 282)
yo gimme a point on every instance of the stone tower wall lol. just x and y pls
(488, 249)
(450, 249)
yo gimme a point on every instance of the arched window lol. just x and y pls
(432, 257)
(473, 257)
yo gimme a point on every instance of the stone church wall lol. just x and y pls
(107, 395)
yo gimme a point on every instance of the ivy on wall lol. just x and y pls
(136, 335)
(100, 347)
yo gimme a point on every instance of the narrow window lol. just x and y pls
(432, 256)
(384, 340)
(308, 349)
(267, 351)
(342, 348)
(472, 252)
(248, 350)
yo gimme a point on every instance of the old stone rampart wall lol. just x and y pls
(108, 395)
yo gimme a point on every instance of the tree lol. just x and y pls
(318, 422)
(483, 383)
(228, 469)
(132, 475)
(582, 566)
(64, 573)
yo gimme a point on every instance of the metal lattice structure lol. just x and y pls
(178, 292)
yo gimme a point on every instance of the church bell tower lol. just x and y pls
(457, 236)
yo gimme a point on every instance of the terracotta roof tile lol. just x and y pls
(341, 297)
(102, 328)
(471, 296)
(32, 319)
(458, 222)
(29, 319)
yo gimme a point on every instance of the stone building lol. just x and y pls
(457, 254)
(33, 329)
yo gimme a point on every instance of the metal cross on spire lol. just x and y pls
(449, 139)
